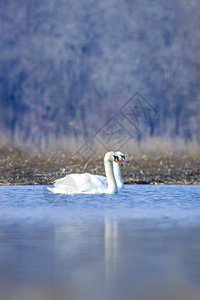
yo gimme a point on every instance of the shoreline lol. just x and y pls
(20, 168)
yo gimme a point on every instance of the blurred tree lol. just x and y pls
(66, 67)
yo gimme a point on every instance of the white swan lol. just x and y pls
(117, 171)
(87, 183)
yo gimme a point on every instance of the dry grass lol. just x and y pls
(152, 161)
(69, 146)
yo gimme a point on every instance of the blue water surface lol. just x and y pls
(176, 202)
(142, 243)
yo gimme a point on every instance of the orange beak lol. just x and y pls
(117, 161)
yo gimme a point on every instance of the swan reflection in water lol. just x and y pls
(99, 259)
(112, 258)
(90, 255)
(110, 250)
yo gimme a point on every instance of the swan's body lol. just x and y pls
(79, 183)
(87, 183)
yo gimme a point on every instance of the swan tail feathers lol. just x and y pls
(51, 189)
(56, 190)
(58, 181)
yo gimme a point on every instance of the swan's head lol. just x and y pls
(112, 156)
(121, 156)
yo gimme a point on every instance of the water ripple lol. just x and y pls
(175, 202)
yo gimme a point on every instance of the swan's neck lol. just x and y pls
(112, 186)
(118, 176)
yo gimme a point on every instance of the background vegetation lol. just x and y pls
(67, 66)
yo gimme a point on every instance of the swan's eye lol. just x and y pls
(124, 159)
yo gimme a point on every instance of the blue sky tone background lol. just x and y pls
(66, 67)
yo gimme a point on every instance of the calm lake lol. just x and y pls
(141, 244)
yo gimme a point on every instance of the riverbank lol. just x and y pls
(17, 167)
